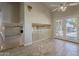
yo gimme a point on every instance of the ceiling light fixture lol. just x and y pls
(63, 8)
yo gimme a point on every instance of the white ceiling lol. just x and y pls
(53, 5)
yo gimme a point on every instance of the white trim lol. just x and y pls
(27, 44)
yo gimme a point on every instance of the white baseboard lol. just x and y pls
(28, 44)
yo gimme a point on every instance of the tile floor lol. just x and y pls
(50, 47)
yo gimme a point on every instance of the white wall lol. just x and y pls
(27, 26)
(6, 11)
(38, 14)
(11, 12)
(11, 15)
(22, 13)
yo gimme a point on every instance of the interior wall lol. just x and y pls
(15, 12)
(12, 14)
(38, 14)
(6, 10)
(12, 17)
(22, 13)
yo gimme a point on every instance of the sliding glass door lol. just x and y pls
(67, 29)
(58, 29)
(71, 29)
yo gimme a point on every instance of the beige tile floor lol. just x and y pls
(50, 47)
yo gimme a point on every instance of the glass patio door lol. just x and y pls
(71, 29)
(58, 29)
(67, 29)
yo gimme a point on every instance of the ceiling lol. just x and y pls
(53, 5)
